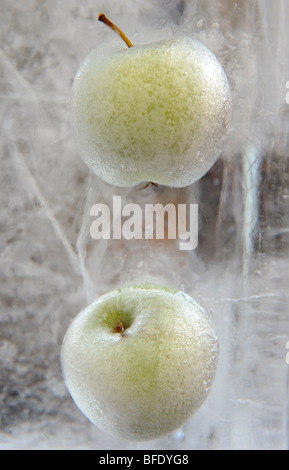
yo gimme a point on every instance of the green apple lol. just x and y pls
(157, 112)
(140, 360)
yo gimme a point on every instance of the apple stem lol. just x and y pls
(106, 21)
(119, 328)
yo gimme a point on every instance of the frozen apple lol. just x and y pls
(140, 360)
(156, 112)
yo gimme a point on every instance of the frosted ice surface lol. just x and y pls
(51, 268)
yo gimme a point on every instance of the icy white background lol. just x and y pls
(50, 268)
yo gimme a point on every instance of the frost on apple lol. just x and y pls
(140, 361)
(157, 112)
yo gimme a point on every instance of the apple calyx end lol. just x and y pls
(150, 183)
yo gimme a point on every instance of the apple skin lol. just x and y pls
(157, 112)
(148, 380)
